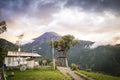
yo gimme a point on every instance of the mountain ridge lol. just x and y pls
(6, 44)
(46, 37)
(41, 43)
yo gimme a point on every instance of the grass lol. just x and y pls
(38, 74)
(98, 76)
(82, 75)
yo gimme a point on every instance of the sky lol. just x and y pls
(93, 20)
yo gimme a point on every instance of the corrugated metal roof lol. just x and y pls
(24, 54)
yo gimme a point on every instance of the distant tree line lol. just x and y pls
(103, 59)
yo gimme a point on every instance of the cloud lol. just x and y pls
(86, 23)
(45, 8)
(116, 39)
(96, 20)
(95, 5)
(92, 26)
(42, 9)
(106, 39)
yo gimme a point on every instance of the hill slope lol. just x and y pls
(8, 45)
(104, 59)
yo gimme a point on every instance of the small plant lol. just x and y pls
(73, 66)
(51, 64)
(88, 70)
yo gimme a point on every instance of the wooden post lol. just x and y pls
(53, 55)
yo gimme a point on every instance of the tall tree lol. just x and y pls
(2, 27)
(3, 52)
(62, 46)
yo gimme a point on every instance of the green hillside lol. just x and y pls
(98, 76)
(104, 59)
(8, 45)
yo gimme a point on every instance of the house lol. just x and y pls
(15, 58)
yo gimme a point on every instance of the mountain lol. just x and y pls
(46, 37)
(8, 45)
(41, 44)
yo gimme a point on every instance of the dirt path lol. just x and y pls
(66, 70)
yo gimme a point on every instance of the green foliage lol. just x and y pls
(88, 70)
(44, 68)
(4, 47)
(104, 59)
(98, 76)
(45, 50)
(73, 66)
(3, 53)
(8, 45)
(3, 27)
(51, 65)
(64, 43)
(44, 58)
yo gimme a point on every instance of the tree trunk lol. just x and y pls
(66, 61)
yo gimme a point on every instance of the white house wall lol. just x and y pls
(30, 64)
(13, 61)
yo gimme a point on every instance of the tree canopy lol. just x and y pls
(64, 43)
(3, 52)
(2, 27)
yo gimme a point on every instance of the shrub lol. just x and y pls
(88, 70)
(73, 66)
(51, 64)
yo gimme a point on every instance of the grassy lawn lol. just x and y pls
(98, 76)
(37, 75)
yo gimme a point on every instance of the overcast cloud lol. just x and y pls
(94, 20)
